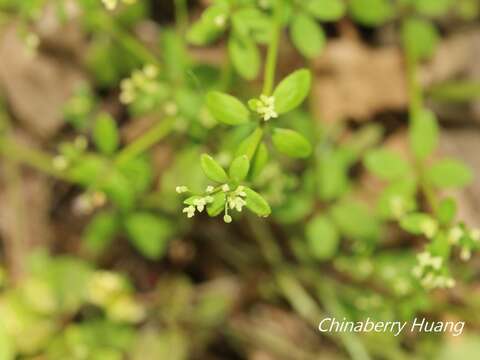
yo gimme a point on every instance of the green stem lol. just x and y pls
(130, 43)
(265, 240)
(32, 157)
(416, 104)
(144, 142)
(415, 94)
(181, 16)
(272, 54)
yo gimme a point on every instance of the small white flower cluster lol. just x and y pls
(140, 81)
(429, 227)
(198, 205)
(428, 271)
(61, 162)
(112, 4)
(88, 202)
(109, 291)
(220, 20)
(455, 235)
(235, 200)
(266, 107)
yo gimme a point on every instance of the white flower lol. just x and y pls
(240, 191)
(59, 162)
(110, 4)
(237, 203)
(426, 259)
(227, 218)
(190, 211)
(208, 199)
(397, 206)
(150, 71)
(209, 189)
(266, 107)
(465, 254)
(225, 188)
(455, 234)
(475, 234)
(200, 204)
(170, 108)
(429, 227)
(264, 4)
(181, 189)
(220, 20)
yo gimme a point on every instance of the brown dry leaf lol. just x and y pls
(36, 86)
(354, 81)
(24, 213)
(277, 333)
(456, 55)
(465, 145)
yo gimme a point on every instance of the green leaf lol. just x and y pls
(355, 221)
(253, 23)
(250, 144)
(398, 198)
(148, 233)
(100, 231)
(291, 143)
(446, 211)
(87, 171)
(212, 169)
(423, 134)
(449, 173)
(118, 189)
(256, 203)
(385, 164)
(307, 36)
(433, 7)
(227, 109)
(332, 175)
(371, 12)
(218, 204)
(245, 56)
(208, 29)
(322, 237)
(326, 10)
(292, 91)
(7, 348)
(295, 208)
(420, 38)
(239, 168)
(415, 223)
(259, 161)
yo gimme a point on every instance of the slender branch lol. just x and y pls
(145, 141)
(416, 104)
(34, 158)
(181, 16)
(130, 43)
(272, 55)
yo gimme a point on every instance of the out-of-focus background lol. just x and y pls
(99, 263)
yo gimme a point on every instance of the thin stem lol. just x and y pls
(272, 55)
(34, 158)
(130, 43)
(415, 94)
(265, 240)
(416, 104)
(144, 142)
(181, 16)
